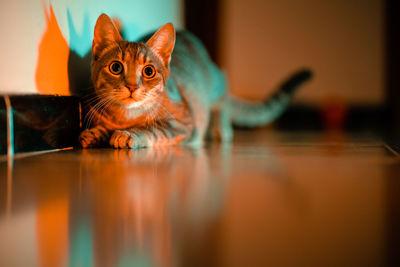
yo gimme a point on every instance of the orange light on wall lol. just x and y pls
(52, 65)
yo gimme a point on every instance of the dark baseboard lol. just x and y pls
(376, 120)
(3, 127)
(38, 123)
(43, 122)
(357, 118)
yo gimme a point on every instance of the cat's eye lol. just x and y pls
(116, 67)
(149, 72)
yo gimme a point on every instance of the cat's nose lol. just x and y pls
(132, 87)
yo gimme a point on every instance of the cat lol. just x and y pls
(165, 90)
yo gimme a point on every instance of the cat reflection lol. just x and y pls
(140, 197)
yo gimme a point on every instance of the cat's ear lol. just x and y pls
(163, 41)
(105, 33)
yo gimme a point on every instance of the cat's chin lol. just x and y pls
(133, 104)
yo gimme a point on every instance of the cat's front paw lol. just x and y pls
(126, 139)
(92, 137)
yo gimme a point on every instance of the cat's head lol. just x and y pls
(129, 74)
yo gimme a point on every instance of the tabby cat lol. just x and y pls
(166, 91)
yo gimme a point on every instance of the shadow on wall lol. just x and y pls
(79, 59)
(60, 70)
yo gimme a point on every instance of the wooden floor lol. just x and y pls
(269, 199)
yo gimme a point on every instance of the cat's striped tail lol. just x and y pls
(252, 114)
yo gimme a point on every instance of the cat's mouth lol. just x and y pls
(129, 99)
(136, 100)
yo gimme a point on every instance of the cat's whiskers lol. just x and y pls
(103, 101)
(103, 107)
(106, 105)
(89, 116)
(98, 97)
(95, 98)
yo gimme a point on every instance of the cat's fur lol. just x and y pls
(185, 100)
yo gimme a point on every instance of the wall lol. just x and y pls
(45, 43)
(341, 40)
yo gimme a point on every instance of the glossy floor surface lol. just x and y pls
(270, 199)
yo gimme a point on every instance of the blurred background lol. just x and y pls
(271, 196)
(351, 46)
